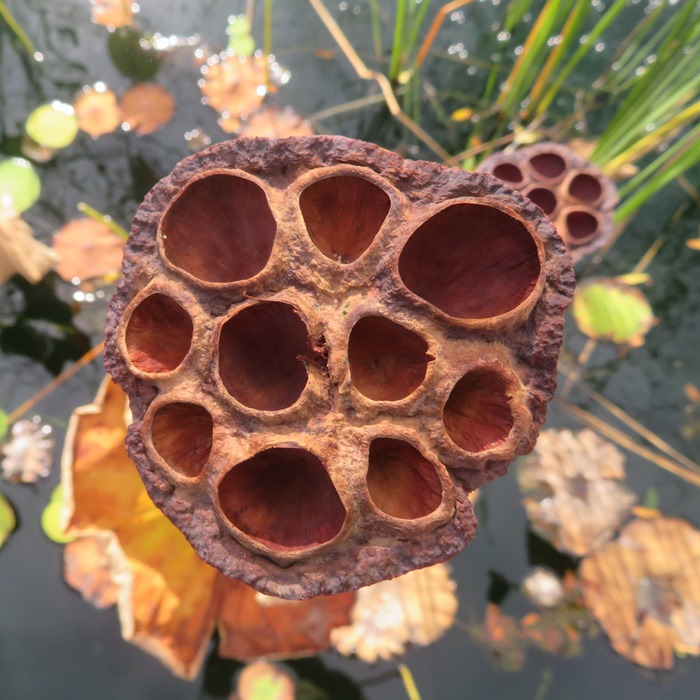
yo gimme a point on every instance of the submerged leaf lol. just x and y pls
(146, 107)
(572, 492)
(52, 125)
(607, 309)
(21, 253)
(20, 186)
(97, 110)
(28, 455)
(262, 680)
(416, 608)
(132, 54)
(644, 589)
(86, 249)
(7, 519)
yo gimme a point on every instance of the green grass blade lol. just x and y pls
(398, 46)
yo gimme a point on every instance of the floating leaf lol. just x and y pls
(572, 491)
(112, 13)
(87, 249)
(8, 521)
(21, 253)
(606, 309)
(169, 600)
(276, 123)
(133, 54)
(20, 186)
(52, 518)
(146, 107)
(28, 455)
(262, 680)
(52, 125)
(644, 589)
(89, 565)
(97, 110)
(240, 41)
(416, 608)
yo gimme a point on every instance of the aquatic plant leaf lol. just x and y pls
(146, 107)
(131, 54)
(87, 249)
(572, 492)
(252, 625)
(607, 309)
(97, 110)
(20, 187)
(644, 589)
(277, 123)
(53, 516)
(53, 125)
(8, 521)
(112, 13)
(21, 253)
(240, 41)
(4, 425)
(416, 608)
(262, 680)
(27, 456)
(89, 566)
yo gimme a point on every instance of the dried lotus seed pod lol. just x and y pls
(326, 348)
(573, 193)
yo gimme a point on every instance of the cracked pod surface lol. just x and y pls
(326, 348)
(572, 192)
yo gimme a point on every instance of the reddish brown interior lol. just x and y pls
(471, 261)
(545, 199)
(182, 436)
(158, 335)
(509, 172)
(284, 498)
(261, 355)
(401, 481)
(585, 188)
(343, 215)
(387, 361)
(477, 415)
(220, 229)
(549, 165)
(581, 225)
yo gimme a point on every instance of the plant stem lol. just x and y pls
(13, 24)
(398, 44)
(108, 221)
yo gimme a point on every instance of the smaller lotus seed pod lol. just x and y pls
(327, 348)
(573, 193)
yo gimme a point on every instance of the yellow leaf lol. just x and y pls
(461, 115)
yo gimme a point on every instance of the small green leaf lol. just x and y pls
(242, 45)
(51, 518)
(651, 499)
(132, 57)
(20, 186)
(607, 309)
(7, 519)
(52, 125)
(4, 425)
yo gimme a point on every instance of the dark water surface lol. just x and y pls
(54, 645)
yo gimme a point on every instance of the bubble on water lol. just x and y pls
(640, 71)
(555, 40)
(471, 70)
(503, 36)
(600, 47)
(474, 118)
(584, 39)
(518, 50)
(38, 56)
(650, 59)
(457, 17)
(463, 54)
(356, 10)
(342, 6)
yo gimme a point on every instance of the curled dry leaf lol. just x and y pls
(262, 680)
(97, 110)
(416, 608)
(28, 455)
(88, 566)
(571, 490)
(169, 600)
(87, 249)
(112, 13)
(644, 589)
(276, 123)
(146, 107)
(21, 253)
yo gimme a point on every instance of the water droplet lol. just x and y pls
(599, 47)
(518, 50)
(650, 127)
(494, 56)
(463, 54)
(527, 17)
(356, 10)
(503, 36)
(38, 56)
(457, 17)
(471, 70)
(495, 26)
(650, 59)
(554, 40)
(342, 6)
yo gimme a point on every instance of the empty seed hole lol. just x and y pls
(548, 165)
(182, 436)
(387, 361)
(343, 215)
(401, 481)
(158, 335)
(283, 497)
(545, 199)
(477, 415)
(220, 229)
(471, 261)
(585, 188)
(261, 355)
(581, 225)
(508, 172)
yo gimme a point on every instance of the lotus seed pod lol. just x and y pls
(573, 193)
(326, 348)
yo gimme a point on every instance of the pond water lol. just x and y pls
(52, 643)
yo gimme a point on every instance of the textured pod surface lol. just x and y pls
(572, 192)
(326, 348)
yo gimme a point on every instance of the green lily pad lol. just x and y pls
(51, 518)
(7, 519)
(20, 186)
(607, 309)
(52, 125)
